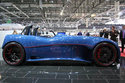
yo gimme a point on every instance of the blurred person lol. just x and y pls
(101, 33)
(87, 33)
(15, 32)
(79, 33)
(113, 34)
(122, 37)
(105, 33)
(38, 32)
(84, 33)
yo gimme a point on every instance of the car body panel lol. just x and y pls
(59, 47)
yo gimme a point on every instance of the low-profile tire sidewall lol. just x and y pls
(22, 53)
(102, 44)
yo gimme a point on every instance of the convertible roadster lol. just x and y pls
(37, 45)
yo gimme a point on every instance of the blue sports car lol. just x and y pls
(34, 45)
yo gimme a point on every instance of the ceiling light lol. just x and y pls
(51, 1)
(61, 13)
(93, 15)
(120, 13)
(107, 13)
(7, 7)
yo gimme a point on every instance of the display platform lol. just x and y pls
(59, 72)
(122, 68)
(122, 54)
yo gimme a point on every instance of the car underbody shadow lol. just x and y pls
(63, 63)
(58, 63)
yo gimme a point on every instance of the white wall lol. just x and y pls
(11, 26)
(4, 33)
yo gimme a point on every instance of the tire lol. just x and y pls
(104, 54)
(13, 54)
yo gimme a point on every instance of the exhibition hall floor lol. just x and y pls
(61, 72)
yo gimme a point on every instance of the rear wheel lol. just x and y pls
(13, 54)
(105, 54)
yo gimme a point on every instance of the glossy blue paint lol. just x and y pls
(59, 47)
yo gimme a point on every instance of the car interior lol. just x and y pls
(29, 30)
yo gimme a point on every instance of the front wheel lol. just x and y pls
(105, 54)
(13, 54)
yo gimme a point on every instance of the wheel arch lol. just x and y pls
(11, 42)
(118, 51)
(15, 42)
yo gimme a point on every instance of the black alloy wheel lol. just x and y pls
(13, 54)
(105, 54)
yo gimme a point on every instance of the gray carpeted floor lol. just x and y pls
(1, 54)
